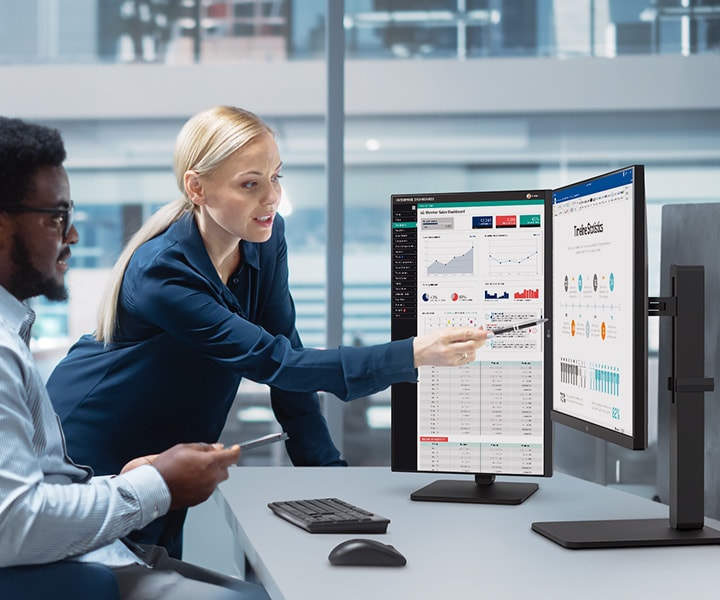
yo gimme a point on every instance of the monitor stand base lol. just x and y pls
(623, 534)
(453, 490)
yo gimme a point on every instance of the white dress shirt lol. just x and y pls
(51, 508)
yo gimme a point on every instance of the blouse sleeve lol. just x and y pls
(175, 298)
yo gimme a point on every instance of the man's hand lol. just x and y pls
(192, 471)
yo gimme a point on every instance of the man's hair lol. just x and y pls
(25, 148)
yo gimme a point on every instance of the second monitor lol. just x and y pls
(479, 259)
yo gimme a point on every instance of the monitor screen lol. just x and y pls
(479, 259)
(600, 307)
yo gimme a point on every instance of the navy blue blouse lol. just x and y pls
(183, 343)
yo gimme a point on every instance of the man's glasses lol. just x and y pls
(61, 215)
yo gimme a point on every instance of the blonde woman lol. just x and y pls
(198, 300)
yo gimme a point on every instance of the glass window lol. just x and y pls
(120, 167)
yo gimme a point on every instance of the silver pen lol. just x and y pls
(515, 327)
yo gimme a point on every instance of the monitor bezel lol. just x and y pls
(638, 439)
(404, 395)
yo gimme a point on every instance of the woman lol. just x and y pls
(198, 300)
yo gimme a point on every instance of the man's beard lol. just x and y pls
(27, 281)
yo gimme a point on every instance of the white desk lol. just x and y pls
(455, 550)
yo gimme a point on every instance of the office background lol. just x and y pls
(439, 95)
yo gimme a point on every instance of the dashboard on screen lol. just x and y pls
(600, 306)
(476, 259)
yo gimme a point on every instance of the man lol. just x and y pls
(50, 508)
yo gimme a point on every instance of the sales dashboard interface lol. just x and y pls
(477, 260)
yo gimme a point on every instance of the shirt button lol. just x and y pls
(234, 280)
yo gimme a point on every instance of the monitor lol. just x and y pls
(479, 259)
(600, 307)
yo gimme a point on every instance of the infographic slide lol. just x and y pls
(481, 265)
(592, 296)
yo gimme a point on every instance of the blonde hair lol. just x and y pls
(203, 143)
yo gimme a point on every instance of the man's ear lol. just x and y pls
(194, 188)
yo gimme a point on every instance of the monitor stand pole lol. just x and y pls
(687, 409)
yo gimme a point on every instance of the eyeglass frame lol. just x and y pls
(65, 213)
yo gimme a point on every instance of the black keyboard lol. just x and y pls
(329, 515)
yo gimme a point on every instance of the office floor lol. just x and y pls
(207, 540)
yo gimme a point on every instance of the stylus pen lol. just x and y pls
(515, 327)
(264, 440)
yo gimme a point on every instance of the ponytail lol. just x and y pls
(155, 225)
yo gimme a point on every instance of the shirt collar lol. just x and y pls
(14, 312)
(189, 239)
(251, 254)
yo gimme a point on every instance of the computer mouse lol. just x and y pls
(366, 552)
